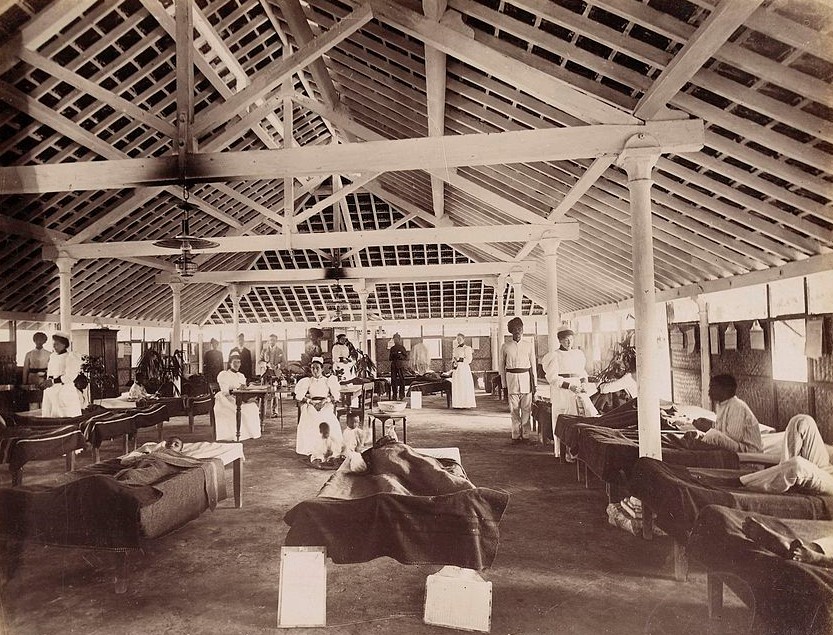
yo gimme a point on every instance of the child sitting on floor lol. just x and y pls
(354, 436)
(327, 454)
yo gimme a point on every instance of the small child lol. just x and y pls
(354, 436)
(327, 455)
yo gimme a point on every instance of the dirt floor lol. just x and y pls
(560, 567)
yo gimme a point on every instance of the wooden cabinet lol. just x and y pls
(100, 343)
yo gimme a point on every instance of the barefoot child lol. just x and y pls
(327, 453)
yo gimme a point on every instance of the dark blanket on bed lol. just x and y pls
(610, 453)
(677, 494)
(112, 505)
(624, 416)
(410, 507)
(19, 445)
(788, 597)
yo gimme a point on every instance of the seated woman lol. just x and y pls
(225, 406)
(805, 463)
(316, 397)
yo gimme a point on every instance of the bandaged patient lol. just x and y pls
(805, 463)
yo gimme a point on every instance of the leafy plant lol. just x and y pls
(365, 368)
(96, 373)
(157, 371)
(622, 362)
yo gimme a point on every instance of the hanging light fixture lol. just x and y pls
(185, 242)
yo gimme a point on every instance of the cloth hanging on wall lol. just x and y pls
(756, 337)
(690, 340)
(813, 341)
(714, 339)
(675, 339)
(730, 338)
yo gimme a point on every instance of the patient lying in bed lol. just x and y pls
(818, 552)
(805, 463)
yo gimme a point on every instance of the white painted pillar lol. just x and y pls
(363, 290)
(550, 247)
(705, 353)
(495, 338)
(501, 320)
(517, 278)
(176, 321)
(65, 264)
(639, 163)
(234, 294)
(258, 344)
(595, 339)
(200, 350)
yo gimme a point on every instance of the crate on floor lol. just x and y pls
(458, 598)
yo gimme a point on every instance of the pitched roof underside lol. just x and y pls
(758, 195)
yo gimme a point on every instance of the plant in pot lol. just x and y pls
(159, 372)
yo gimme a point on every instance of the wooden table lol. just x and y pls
(242, 395)
(382, 417)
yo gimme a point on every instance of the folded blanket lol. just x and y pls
(410, 507)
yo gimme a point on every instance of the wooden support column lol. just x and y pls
(705, 353)
(258, 346)
(176, 322)
(517, 278)
(64, 265)
(363, 290)
(200, 350)
(596, 337)
(501, 310)
(234, 294)
(550, 247)
(639, 159)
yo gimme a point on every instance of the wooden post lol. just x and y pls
(517, 291)
(705, 353)
(64, 265)
(639, 163)
(550, 247)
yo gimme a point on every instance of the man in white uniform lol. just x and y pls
(517, 372)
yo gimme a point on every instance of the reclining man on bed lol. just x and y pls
(736, 427)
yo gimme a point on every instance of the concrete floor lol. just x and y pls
(560, 567)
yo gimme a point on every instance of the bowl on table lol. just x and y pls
(391, 406)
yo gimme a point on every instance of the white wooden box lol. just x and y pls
(458, 598)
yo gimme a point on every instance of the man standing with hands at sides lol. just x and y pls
(246, 361)
(212, 363)
(398, 357)
(272, 354)
(517, 373)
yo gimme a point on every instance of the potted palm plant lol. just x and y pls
(158, 372)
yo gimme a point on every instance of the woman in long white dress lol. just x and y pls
(225, 406)
(317, 396)
(462, 381)
(61, 398)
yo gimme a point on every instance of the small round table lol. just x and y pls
(383, 417)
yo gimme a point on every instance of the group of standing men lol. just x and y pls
(271, 358)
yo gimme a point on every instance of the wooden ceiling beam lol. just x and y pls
(265, 81)
(326, 240)
(531, 80)
(521, 146)
(459, 271)
(723, 21)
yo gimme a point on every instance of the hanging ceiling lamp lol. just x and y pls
(185, 242)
